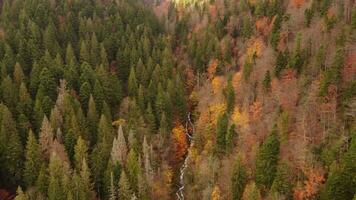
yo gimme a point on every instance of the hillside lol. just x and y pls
(180, 99)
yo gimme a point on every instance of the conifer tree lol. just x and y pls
(46, 137)
(230, 97)
(84, 94)
(47, 84)
(119, 148)
(33, 160)
(132, 84)
(11, 149)
(238, 180)
(267, 160)
(267, 81)
(84, 52)
(133, 169)
(80, 153)
(20, 195)
(57, 173)
(281, 184)
(124, 187)
(221, 131)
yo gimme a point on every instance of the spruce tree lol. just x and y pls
(80, 153)
(124, 187)
(238, 180)
(267, 81)
(267, 160)
(11, 149)
(230, 97)
(132, 84)
(33, 160)
(221, 131)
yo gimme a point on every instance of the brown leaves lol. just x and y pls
(298, 3)
(315, 178)
(212, 68)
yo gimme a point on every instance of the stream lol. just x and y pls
(180, 191)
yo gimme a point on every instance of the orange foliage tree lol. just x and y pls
(180, 144)
(315, 178)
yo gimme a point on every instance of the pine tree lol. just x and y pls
(11, 149)
(20, 195)
(267, 81)
(230, 97)
(281, 63)
(119, 148)
(281, 184)
(42, 180)
(238, 180)
(221, 131)
(84, 94)
(124, 187)
(230, 138)
(57, 172)
(86, 192)
(33, 160)
(80, 153)
(341, 182)
(353, 20)
(132, 84)
(267, 160)
(150, 119)
(84, 52)
(92, 117)
(46, 137)
(133, 169)
(47, 84)
(98, 94)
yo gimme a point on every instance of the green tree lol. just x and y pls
(11, 149)
(221, 131)
(132, 84)
(229, 93)
(281, 185)
(267, 81)
(133, 168)
(124, 187)
(267, 160)
(80, 153)
(33, 160)
(238, 180)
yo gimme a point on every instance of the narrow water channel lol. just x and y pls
(189, 133)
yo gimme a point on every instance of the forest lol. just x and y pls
(178, 99)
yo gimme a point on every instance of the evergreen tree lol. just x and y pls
(47, 84)
(238, 180)
(132, 84)
(124, 187)
(230, 97)
(84, 94)
(33, 160)
(11, 149)
(133, 169)
(20, 195)
(80, 153)
(281, 63)
(267, 81)
(119, 148)
(281, 185)
(221, 131)
(266, 161)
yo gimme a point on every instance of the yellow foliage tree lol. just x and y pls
(216, 194)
